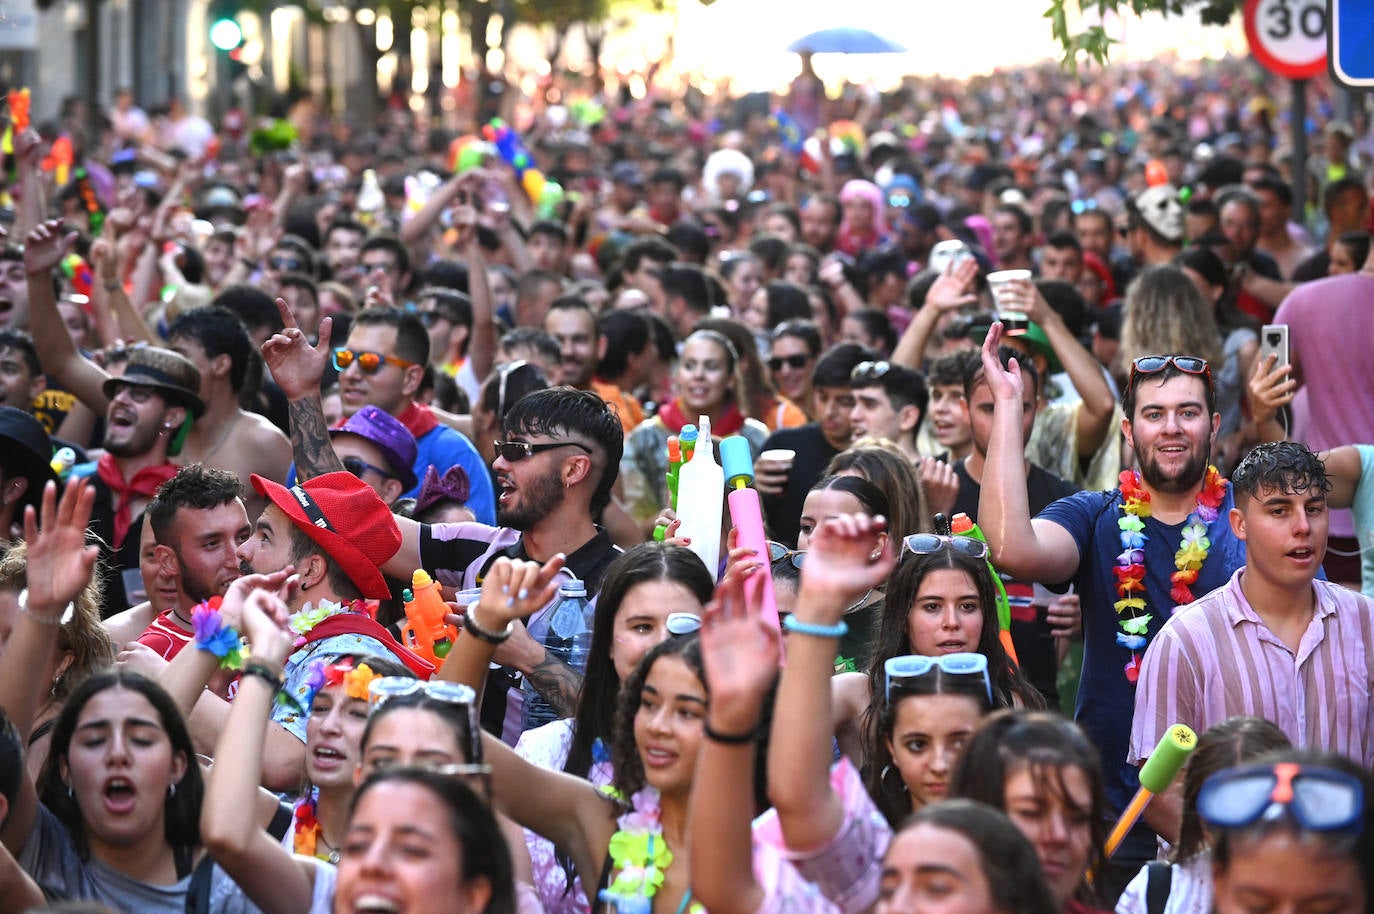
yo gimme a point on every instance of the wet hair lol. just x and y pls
(1008, 860)
(485, 854)
(1234, 741)
(196, 486)
(218, 331)
(1359, 849)
(648, 562)
(1287, 466)
(564, 412)
(1046, 744)
(181, 809)
(412, 339)
(896, 477)
(881, 777)
(1009, 685)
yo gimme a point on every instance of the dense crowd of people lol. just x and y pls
(261, 392)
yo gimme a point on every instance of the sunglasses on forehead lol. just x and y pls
(1154, 364)
(902, 672)
(926, 543)
(368, 362)
(870, 371)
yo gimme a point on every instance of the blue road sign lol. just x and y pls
(1351, 52)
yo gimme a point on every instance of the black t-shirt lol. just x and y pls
(814, 453)
(1315, 266)
(1035, 646)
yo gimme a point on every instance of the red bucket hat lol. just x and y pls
(345, 517)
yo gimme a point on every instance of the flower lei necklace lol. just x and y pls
(306, 619)
(1130, 564)
(307, 831)
(640, 856)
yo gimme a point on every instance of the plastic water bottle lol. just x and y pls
(569, 638)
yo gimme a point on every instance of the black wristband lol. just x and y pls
(730, 739)
(264, 672)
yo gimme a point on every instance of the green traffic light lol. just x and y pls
(226, 35)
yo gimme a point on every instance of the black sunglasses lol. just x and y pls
(516, 451)
(285, 264)
(791, 361)
(357, 466)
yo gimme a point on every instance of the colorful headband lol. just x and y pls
(325, 675)
(454, 484)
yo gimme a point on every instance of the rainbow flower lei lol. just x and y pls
(325, 675)
(306, 839)
(1131, 609)
(640, 856)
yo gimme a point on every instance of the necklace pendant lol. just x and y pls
(334, 857)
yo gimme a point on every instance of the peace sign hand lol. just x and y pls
(296, 365)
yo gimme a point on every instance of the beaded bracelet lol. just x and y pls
(214, 637)
(470, 623)
(838, 630)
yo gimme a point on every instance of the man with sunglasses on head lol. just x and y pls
(556, 467)
(1119, 549)
(889, 402)
(382, 365)
(1273, 641)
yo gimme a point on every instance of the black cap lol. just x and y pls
(27, 450)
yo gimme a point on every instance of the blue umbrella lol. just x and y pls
(845, 40)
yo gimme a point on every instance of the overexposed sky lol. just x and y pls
(745, 39)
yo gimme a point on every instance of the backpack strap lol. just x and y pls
(1159, 879)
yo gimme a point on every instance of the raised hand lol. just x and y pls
(1270, 389)
(739, 651)
(1005, 383)
(954, 288)
(265, 625)
(941, 485)
(514, 590)
(60, 563)
(46, 246)
(296, 365)
(847, 556)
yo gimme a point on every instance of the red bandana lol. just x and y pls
(674, 417)
(144, 484)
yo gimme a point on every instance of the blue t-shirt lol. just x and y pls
(442, 447)
(1106, 699)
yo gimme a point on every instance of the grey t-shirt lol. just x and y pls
(50, 857)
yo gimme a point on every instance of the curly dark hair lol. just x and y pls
(1286, 466)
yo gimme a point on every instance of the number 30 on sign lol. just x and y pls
(1288, 37)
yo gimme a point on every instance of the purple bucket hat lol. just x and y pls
(392, 438)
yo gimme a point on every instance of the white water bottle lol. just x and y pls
(700, 500)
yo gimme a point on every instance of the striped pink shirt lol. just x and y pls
(1216, 659)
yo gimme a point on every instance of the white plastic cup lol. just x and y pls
(1008, 313)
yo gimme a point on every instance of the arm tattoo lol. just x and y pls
(558, 683)
(310, 445)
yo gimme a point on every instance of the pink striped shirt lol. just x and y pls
(1216, 659)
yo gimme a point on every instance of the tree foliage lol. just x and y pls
(1094, 43)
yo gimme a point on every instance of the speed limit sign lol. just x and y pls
(1288, 36)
